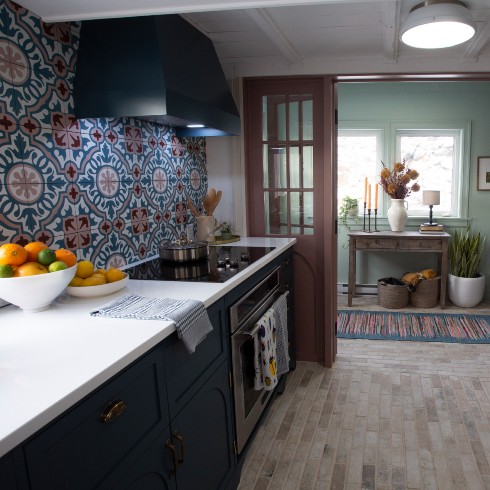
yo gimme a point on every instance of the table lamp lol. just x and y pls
(431, 198)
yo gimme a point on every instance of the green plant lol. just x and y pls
(225, 227)
(349, 209)
(465, 253)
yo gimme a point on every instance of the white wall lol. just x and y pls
(226, 173)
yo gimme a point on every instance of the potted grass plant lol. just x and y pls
(466, 283)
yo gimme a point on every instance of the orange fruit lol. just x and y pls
(30, 269)
(114, 275)
(33, 248)
(85, 269)
(12, 254)
(66, 256)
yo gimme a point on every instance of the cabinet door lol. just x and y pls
(110, 428)
(188, 372)
(7, 473)
(205, 425)
(153, 471)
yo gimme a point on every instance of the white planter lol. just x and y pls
(397, 215)
(466, 292)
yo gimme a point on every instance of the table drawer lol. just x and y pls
(376, 244)
(432, 244)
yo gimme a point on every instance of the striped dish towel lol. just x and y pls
(280, 308)
(190, 316)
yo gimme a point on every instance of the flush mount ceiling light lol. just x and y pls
(436, 24)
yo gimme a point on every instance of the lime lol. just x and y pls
(6, 271)
(57, 265)
(46, 256)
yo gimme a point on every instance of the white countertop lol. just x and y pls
(52, 359)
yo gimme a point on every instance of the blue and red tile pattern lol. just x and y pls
(109, 189)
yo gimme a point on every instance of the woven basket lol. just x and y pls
(426, 293)
(392, 296)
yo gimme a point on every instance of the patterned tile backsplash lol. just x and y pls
(108, 189)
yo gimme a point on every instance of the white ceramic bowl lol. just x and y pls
(35, 293)
(95, 291)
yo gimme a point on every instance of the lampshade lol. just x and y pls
(436, 24)
(431, 197)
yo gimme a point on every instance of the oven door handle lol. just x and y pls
(252, 332)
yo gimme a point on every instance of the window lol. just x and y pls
(359, 155)
(437, 155)
(438, 151)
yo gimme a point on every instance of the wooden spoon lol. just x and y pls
(206, 202)
(216, 201)
(194, 211)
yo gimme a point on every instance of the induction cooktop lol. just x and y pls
(222, 264)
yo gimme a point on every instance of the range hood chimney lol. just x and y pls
(158, 68)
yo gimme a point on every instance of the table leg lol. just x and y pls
(444, 273)
(351, 287)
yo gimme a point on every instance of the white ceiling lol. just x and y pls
(280, 37)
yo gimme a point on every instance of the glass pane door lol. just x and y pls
(287, 153)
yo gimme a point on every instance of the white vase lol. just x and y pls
(466, 292)
(397, 215)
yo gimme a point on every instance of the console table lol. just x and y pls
(406, 241)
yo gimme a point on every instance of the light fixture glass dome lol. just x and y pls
(433, 24)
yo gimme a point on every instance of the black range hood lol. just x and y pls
(158, 68)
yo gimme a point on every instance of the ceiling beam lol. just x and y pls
(265, 22)
(479, 40)
(390, 17)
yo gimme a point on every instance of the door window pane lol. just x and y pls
(288, 164)
(275, 167)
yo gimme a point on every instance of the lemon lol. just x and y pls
(101, 271)
(46, 256)
(100, 277)
(56, 266)
(114, 275)
(94, 280)
(6, 271)
(76, 281)
(85, 269)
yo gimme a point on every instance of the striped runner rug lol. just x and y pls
(427, 327)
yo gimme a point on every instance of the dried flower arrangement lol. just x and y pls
(396, 182)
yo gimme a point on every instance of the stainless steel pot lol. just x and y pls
(183, 250)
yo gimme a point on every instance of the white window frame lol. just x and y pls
(460, 178)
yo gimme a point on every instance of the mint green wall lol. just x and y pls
(389, 102)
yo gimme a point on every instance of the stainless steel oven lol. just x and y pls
(244, 314)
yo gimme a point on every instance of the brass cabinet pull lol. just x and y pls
(174, 457)
(112, 411)
(180, 438)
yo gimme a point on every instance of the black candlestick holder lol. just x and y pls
(375, 220)
(364, 218)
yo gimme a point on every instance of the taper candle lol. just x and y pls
(369, 196)
(365, 189)
(376, 197)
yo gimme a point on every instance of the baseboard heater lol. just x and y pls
(361, 289)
